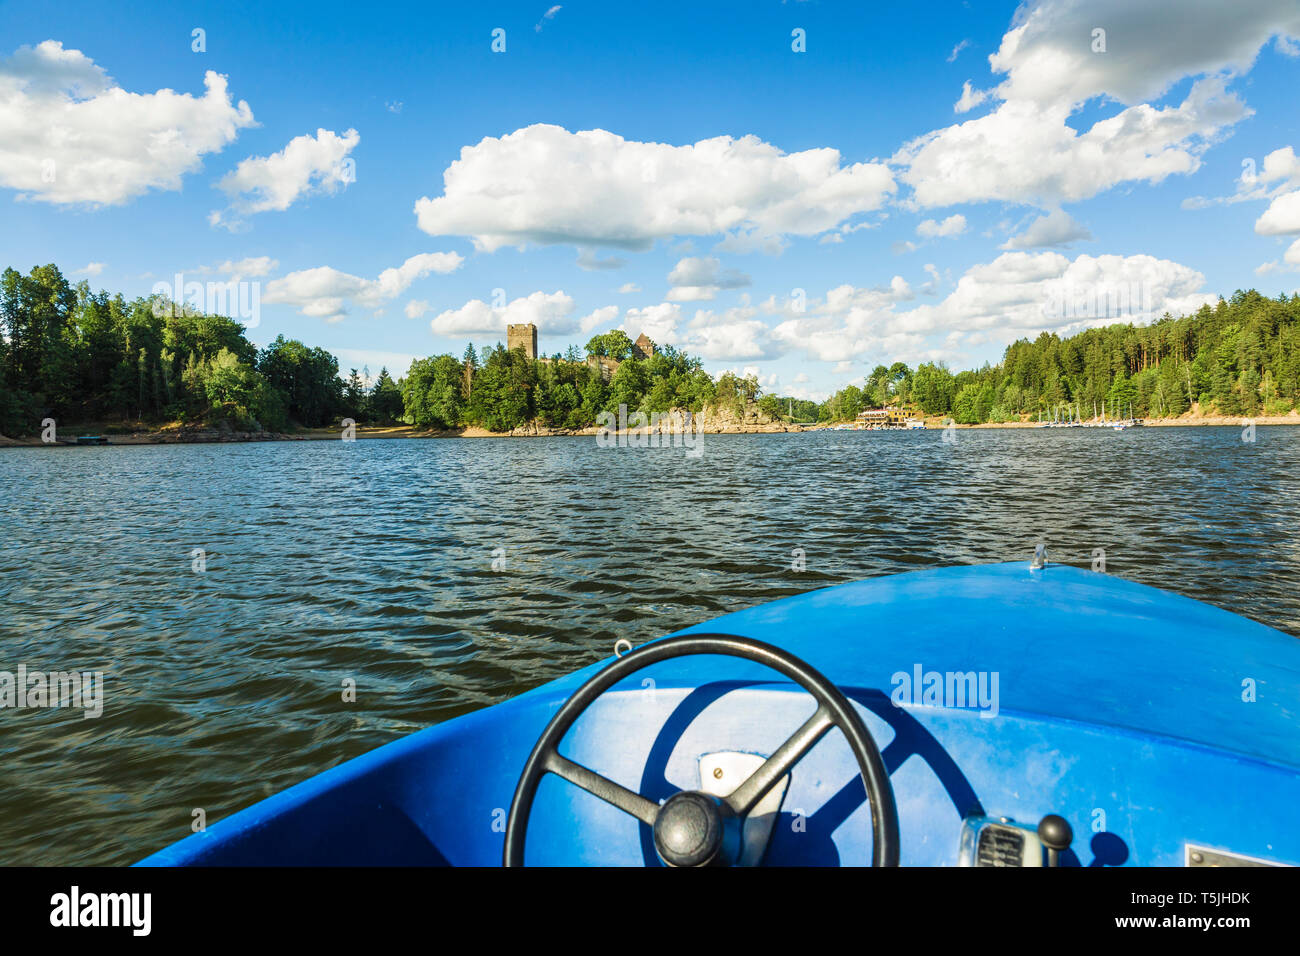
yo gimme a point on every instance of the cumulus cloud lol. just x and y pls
(628, 287)
(325, 293)
(588, 260)
(543, 184)
(1278, 183)
(1057, 229)
(697, 278)
(952, 226)
(252, 267)
(69, 134)
(1282, 217)
(1017, 294)
(1290, 261)
(89, 269)
(1049, 56)
(1025, 150)
(659, 322)
(307, 165)
(602, 318)
(1280, 173)
(970, 98)
(731, 334)
(550, 312)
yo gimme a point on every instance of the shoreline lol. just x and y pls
(174, 436)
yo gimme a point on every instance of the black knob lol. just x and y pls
(1056, 835)
(695, 829)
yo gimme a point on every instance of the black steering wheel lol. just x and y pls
(692, 828)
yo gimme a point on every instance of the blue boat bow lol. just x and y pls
(1161, 730)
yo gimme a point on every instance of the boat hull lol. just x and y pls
(1119, 707)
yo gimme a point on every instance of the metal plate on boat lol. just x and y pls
(1203, 856)
(720, 774)
(998, 841)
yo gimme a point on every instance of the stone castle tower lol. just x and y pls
(522, 337)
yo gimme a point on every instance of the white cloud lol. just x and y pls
(550, 312)
(696, 279)
(957, 50)
(602, 318)
(1057, 229)
(324, 292)
(89, 269)
(1278, 182)
(746, 242)
(1048, 55)
(543, 184)
(305, 166)
(250, 268)
(1282, 217)
(588, 260)
(548, 15)
(1253, 184)
(1280, 164)
(68, 134)
(732, 334)
(970, 98)
(1290, 261)
(416, 308)
(931, 287)
(628, 287)
(954, 225)
(659, 322)
(1025, 151)
(1017, 294)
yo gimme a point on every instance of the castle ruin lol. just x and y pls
(522, 337)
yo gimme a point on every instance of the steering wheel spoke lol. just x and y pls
(744, 797)
(612, 793)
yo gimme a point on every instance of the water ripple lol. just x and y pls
(373, 562)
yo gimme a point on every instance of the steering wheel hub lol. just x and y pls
(696, 829)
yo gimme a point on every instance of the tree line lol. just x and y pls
(1239, 357)
(79, 356)
(499, 389)
(75, 355)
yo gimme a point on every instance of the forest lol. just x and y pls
(79, 356)
(1239, 357)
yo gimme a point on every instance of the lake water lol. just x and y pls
(445, 575)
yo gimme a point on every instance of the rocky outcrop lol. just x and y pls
(749, 420)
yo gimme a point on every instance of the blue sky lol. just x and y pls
(1129, 158)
